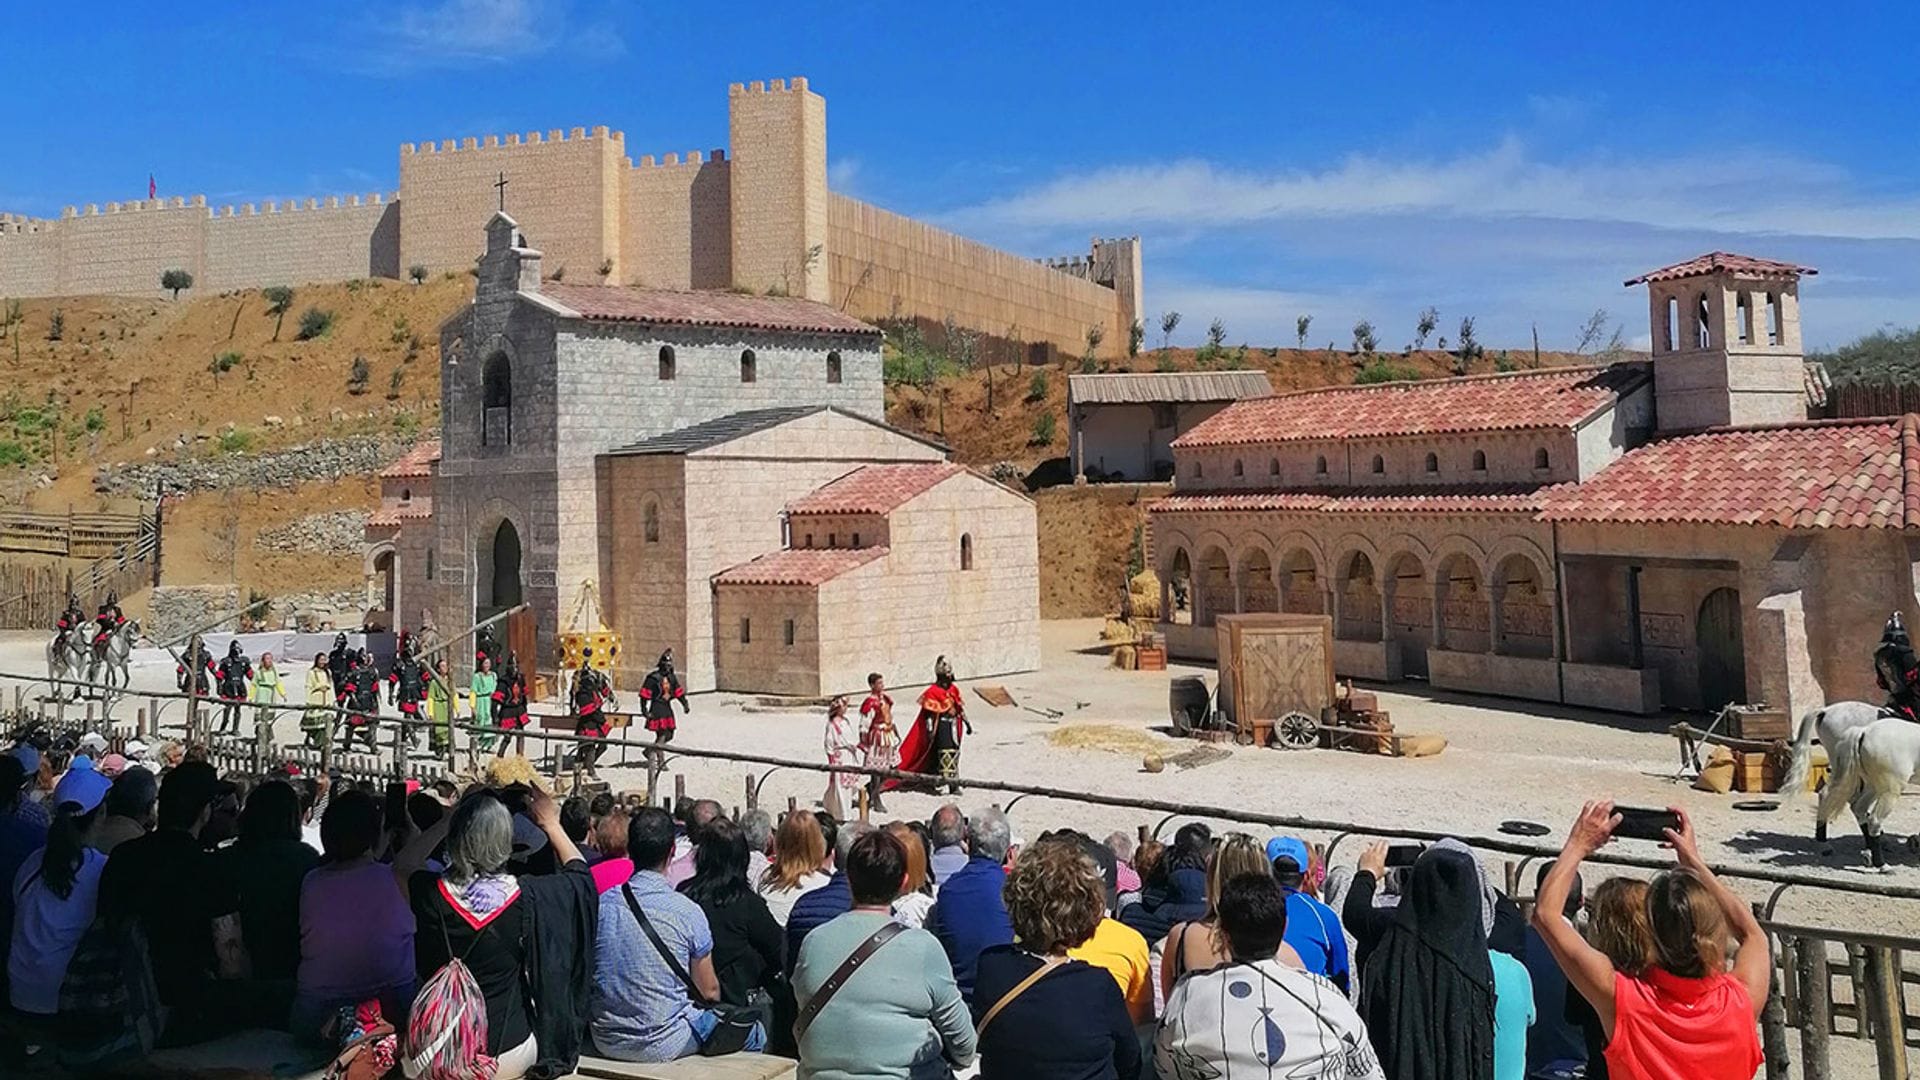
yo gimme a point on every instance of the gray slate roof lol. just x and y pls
(1151, 387)
(725, 429)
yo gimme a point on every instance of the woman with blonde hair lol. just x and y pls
(1685, 1014)
(916, 893)
(1197, 946)
(799, 852)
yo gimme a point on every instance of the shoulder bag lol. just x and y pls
(735, 1023)
(841, 974)
(1046, 965)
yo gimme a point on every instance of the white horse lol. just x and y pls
(1834, 723)
(66, 659)
(108, 665)
(1884, 755)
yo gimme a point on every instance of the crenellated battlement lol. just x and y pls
(495, 142)
(12, 222)
(693, 158)
(796, 85)
(291, 206)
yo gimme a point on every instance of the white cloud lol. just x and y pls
(1740, 192)
(843, 175)
(460, 33)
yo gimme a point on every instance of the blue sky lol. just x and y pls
(1513, 162)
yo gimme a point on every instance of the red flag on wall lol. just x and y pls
(153, 189)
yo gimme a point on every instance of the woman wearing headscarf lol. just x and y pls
(1427, 988)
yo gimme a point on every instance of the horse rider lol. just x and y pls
(70, 620)
(1897, 670)
(109, 620)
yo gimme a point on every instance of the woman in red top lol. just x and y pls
(1685, 1017)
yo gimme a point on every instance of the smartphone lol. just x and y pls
(396, 803)
(1404, 855)
(1643, 823)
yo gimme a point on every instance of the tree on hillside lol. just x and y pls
(314, 323)
(1169, 321)
(279, 299)
(174, 280)
(1429, 318)
(417, 273)
(1595, 329)
(1095, 335)
(1216, 335)
(1464, 346)
(1300, 326)
(1136, 333)
(1363, 341)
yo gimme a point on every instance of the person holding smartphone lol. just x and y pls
(1693, 1012)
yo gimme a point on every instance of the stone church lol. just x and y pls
(718, 466)
(1667, 533)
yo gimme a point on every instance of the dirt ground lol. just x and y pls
(1086, 538)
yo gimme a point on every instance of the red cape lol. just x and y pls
(916, 750)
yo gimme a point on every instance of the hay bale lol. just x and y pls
(1108, 737)
(513, 769)
(1119, 632)
(1144, 588)
(1124, 658)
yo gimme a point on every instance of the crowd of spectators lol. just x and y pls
(160, 910)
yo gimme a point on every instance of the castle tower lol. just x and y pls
(779, 188)
(1726, 342)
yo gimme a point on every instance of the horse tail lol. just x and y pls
(1794, 783)
(1849, 773)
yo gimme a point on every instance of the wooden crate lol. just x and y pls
(1755, 773)
(1145, 659)
(1761, 725)
(1273, 664)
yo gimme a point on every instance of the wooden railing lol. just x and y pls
(71, 535)
(33, 596)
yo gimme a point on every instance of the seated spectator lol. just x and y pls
(899, 1015)
(748, 946)
(757, 826)
(265, 867)
(609, 837)
(799, 853)
(1255, 1016)
(1197, 945)
(576, 820)
(173, 888)
(55, 894)
(969, 915)
(1176, 889)
(916, 893)
(1427, 990)
(1313, 930)
(23, 820)
(1513, 1010)
(494, 922)
(694, 817)
(1127, 879)
(650, 990)
(128, 811)
(947, 829)
(1056, 898)
(829, 901)
(356, 930)
(1685, 1014)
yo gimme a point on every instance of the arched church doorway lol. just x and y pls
(503, 586)
(1723, 657)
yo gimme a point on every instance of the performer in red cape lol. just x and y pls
(933, 746)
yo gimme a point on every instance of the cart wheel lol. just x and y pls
(1297, 731)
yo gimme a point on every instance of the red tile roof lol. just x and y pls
(613, 303)
(1384, 500)
(393, 512)
(1714, 261)
(799, 566)
(1528, 400)
(1844, 474)
(418, 461)
(874, 489)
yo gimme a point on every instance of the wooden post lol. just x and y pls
(753, 795)
(792, 804)
(1857, 969)
(1773, 1014)
(1816, 1007)
(1884, 1003)
(153, 716)
(679, 790)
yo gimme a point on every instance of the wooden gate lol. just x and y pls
(1722, 657)
(1271, 665)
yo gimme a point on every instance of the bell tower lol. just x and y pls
(1726, 342)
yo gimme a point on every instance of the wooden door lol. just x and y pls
(523, 638)
(1722, 657)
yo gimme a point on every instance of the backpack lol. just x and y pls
(447, 1028)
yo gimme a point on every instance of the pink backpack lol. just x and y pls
(447, 1029)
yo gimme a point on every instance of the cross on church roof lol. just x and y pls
(502, 185)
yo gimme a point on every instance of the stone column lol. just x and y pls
(1774, 632)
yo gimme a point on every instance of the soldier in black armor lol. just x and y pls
(592, 696)
(232, 674)
(1897, 670)
(70, 621)
(194, 673)
(407, 688)
(108, 620)
(339, 663)
(363, 697)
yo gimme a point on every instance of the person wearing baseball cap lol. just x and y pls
(56, 895)
(1313, 930)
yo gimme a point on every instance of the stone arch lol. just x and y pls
(1254, 567)
(1456, 544)
(1523, 608)
(1508, 546)
(1460, 598)
(1297, 538)
(650, 519)
(381, 572)
(1303, 589)
(1356, 593)
(1409, 603)
(1176, 586)
(495, 515)
(1213, 580)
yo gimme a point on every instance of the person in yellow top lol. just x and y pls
(317, 722)
(440, 708)
(266, 691)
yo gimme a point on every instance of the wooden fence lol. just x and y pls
(33, 596)
(70, 535)
(1873, 399)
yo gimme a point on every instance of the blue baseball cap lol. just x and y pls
(84, 788)
(29, 758)
(1290, 847)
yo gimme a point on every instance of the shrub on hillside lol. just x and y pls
(1037, 386)
(279, 299)
(236, 441)
(315, 323)
(417, 273)
(56, 326)
(358, 375)
(1042, 430)
(1382, 370)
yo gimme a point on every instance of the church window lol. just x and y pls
(406, 494)
(1273, 467)
(1198, 472)
(651, 517)
(787, 632)
(746, 631)
(1702, 324)
(1433, 463)
(1479, 461)
(833, 366)
(1773, 318)
(748, 366)
(496, 398)
(1672, 335)
(666, 363)
(1743, 317)
(808, 542)
(430, 562)
(1540, 458)
(1379, 464)
(966, 551)
(1238, 468)
(856, 541)
(1320, 465)
(833, 540)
